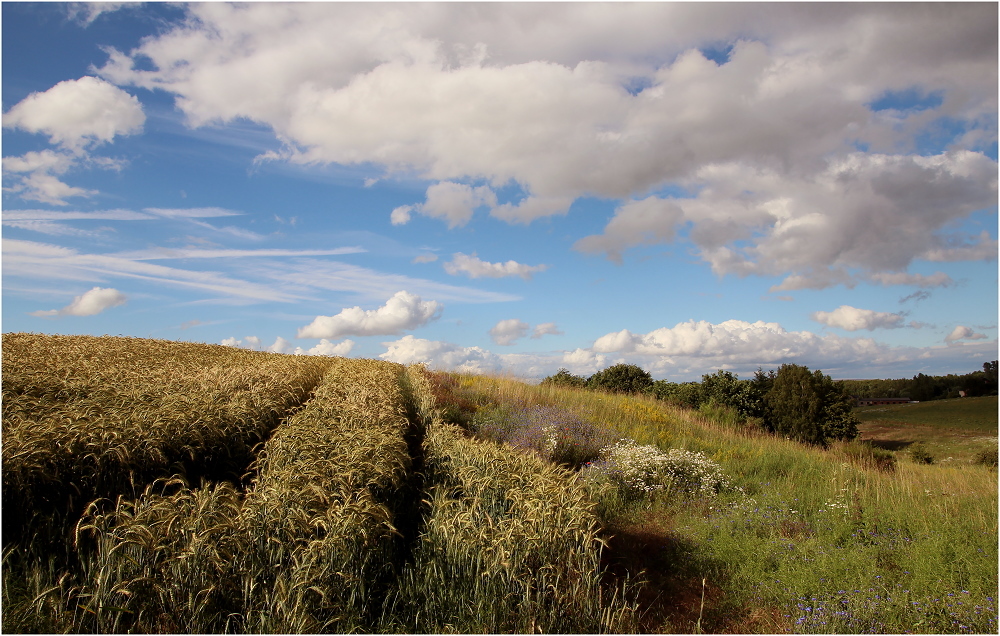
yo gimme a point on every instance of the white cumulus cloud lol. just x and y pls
(327, 348)
(545, 329)
(583, 361)
(442, 355)
(701, 344)
(77, 113)
(650, 220)
(400, 313)
(401, 215)
(89, 303)
(566, 100)
(853, 319)
(962, 332)
(455, 202)
(282, 345)
(474, 267)
(250, 342)
(506, 332)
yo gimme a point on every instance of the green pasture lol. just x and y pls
(951, 430)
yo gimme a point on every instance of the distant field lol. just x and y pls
(949, 428)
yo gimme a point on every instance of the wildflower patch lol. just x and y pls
(644, 471)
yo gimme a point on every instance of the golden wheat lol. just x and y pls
(86, 417)
(510, 542)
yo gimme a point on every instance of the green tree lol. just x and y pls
(809, 407)
(726, 389)
(621, 378)
(563, 377)
(685, 393)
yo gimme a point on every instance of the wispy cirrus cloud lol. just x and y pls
(28, 259)
(56, 222)
(372, 285)
(266, 275)
(76, 215)
(168, 253)
(53, 228)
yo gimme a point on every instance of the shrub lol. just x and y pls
(685, 394)
(986, 457)
(552, 433)
(644, 471)
(726, 389)
(865, 454)
(920, 454)
(621, 378)
(564, 378)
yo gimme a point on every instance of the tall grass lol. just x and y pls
(816, 540)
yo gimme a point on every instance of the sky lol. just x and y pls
(510, 187)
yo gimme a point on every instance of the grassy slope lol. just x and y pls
(956, 428)
(809, 541)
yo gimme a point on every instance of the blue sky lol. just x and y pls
(510, 188)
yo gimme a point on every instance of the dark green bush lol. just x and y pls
(621, 378)
(986, 457)
(687, 394)
(564, 378)
(920, 454)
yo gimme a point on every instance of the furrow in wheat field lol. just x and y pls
(309, 547)
(510, 542)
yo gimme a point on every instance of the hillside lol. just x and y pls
(169, 487)
(797, 538)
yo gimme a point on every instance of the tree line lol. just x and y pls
(792, 401)
(929, 387)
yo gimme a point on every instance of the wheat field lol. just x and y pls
(181, 488)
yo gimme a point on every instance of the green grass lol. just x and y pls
(806, 540)
(951, 430)
(977, 414)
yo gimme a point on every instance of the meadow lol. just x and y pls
(171, 487)
(800, 539)
(953, 430)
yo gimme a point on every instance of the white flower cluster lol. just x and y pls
(549, 441)
(643, 470)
